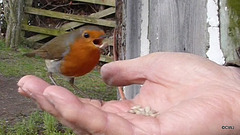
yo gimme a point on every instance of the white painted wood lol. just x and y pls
(214, 52)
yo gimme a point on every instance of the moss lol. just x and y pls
(234, 23)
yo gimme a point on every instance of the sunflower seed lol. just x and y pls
(146, 111)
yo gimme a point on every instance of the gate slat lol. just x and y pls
(71, 17)
(101, 2)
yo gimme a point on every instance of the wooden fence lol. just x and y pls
(77, 20)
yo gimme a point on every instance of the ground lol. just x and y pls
(13, 106)
(13, 65)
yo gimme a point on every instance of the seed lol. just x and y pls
(147, 109)
(141, 109)
(136, 107)
(138, 112)
(154, 114)
(131, 111)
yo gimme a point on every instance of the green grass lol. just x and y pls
(14, 64)
(38, 123)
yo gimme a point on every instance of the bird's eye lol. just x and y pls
(86, 35)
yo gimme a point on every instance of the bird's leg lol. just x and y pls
(71, 81)
(51, 78)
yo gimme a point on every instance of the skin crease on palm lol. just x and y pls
(192, 94)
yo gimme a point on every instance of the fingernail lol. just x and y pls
(26, 92)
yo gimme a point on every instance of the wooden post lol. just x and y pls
(230, 31)
(164, 25)
(26, 16)
(15, 9)
(119, 44)
(178, 26)
(131, 35)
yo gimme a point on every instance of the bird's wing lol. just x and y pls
(56, 48)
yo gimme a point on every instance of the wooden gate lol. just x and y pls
(18, 13)
(76, 20)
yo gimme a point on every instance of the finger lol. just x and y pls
(156, 67)
(33, 87)
(73, 112)
(83, 117)
(135, 71)
(121, 73)
(29, 84)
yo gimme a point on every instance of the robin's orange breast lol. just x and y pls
(81, 59)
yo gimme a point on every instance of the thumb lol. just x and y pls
(122, 73)
(156, 67)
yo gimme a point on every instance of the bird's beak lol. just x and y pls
(99, 42)
(103, 36)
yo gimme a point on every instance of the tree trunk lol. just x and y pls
(13, 14)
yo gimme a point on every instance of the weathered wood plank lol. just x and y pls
(37, 37)
(133, 20)
(42, 30)
(70, 17)
(25, 16)
(105, 58)
(178, 26)
(101, 2)
(72, 25)
(97, 15)
(230, 30)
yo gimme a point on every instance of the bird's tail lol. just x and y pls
(36, 52)
(31, 54)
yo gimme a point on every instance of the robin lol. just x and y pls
(72, 54)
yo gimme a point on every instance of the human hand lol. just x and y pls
(193, 96)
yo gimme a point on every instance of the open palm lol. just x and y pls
(191, 94)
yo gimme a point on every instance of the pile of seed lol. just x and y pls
(146, 111)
